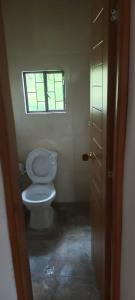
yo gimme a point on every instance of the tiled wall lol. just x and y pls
(53, 35)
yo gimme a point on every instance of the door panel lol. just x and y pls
(97, 76)
(98, 36)
(97, 121)
(97, 92)
(98, 151)
(97, 8)
(97, 57)
(98, 134)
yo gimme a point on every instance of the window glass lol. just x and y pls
(44, 91)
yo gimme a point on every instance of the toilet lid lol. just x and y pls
(41, 165)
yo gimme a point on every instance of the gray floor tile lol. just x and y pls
(60, 258)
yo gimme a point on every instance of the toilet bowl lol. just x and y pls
(41, 167)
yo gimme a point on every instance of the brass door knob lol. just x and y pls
(86, 157)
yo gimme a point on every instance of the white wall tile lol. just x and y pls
(51, 41)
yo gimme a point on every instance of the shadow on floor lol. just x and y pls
(60, 258)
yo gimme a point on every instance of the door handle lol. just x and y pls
(86, 157)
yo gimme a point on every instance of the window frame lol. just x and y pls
(44, 72)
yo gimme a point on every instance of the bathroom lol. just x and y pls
(42, 37)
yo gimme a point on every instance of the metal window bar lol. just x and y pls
(45, 90)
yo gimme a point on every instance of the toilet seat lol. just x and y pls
(38, 193)
(41, 165)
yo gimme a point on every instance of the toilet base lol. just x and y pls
(41, 219)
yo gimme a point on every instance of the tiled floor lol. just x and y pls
(60, 259)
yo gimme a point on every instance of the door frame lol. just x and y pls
(9, 163)
(121, 105)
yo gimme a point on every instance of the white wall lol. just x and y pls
(53, 34)
(7, 281)
(128, 247)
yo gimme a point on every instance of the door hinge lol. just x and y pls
(114, 14)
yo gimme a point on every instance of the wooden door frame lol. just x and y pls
(121, 102)
(9, 162)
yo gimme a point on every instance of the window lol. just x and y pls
(44, 91)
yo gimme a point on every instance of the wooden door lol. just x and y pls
(102, 99)
(98, 111)
(102, 131)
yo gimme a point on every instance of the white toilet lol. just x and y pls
(41, 167)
